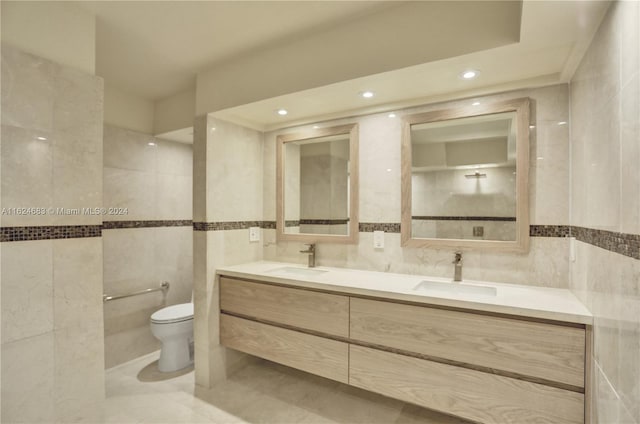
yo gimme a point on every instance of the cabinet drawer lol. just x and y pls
(322, 312)
(325, 357)
(466, 393)
(539, 350)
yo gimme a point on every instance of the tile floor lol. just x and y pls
(261, 392)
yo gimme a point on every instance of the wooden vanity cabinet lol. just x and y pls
(484, 367)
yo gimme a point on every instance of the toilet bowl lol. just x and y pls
(173, 326)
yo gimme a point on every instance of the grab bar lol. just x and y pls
(164, 287)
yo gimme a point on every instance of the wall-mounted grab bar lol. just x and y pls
(164, 287)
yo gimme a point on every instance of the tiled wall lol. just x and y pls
(545, 265)
(150, 241)
(605, 195)
(227, 201)
(52, 321)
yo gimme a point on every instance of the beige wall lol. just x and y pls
(545, 265)
(605, 194)
(152, 182)
(58, 31)
(52, 320)
(125, 110)
(175, 112)
(227, 187)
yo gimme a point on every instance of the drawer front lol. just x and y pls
(322, 312)
(538, 350)
(470, 394)
(325, 357)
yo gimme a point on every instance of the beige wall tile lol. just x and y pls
(27, 90)
(77, 283)
(27, 289)
(126, 149)
(27, 174)
(28, 380)
(134, 190)
(79, 374)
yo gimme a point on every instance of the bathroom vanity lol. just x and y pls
(487, 352)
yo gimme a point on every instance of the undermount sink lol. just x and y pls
(297, 271)
(454, 288)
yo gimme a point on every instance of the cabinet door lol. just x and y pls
(470, 394)
(322, 312)
(550, 352)
(325, 357)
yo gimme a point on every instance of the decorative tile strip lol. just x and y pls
(389, 227)
(292, 223)
(226, 225)
(550, 231)
(49, 232)
(324, 221)
(622, 243)
(464, 218)
(112, 225)
(268, 225)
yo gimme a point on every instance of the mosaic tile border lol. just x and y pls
(112, 225)
(49, 232)
(464, 218)
(229, 225)
(324, 221)
(622, 243)
(388, 227)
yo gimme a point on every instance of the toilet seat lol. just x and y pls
(173, 314)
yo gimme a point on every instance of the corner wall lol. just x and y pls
(52, 331)
(605, 207)
(150, 241)
(227, 164)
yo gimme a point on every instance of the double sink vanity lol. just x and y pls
(487, 352)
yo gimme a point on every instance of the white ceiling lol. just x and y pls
(155, 49)
(554, 36)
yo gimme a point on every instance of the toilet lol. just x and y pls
(173, 326)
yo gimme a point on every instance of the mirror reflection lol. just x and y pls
(463, 178)
(317, 185)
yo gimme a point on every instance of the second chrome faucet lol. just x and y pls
(311, 251)
(457, 264)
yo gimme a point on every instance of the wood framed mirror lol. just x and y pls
(317, 185)
(465, 177)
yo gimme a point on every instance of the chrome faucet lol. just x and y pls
(457, 262)
(311, 251)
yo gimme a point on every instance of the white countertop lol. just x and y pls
(513, 299)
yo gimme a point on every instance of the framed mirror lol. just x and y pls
(465, 177)
(317, 185)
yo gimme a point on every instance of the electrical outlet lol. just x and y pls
(378, 239)
(254, 233)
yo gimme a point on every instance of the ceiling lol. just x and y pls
(155, 49)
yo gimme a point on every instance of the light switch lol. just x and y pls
(254, 233)
(378, 239)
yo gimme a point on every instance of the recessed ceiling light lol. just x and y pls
(388, 169)
(475, 104)
(151, 143)
(540, 158)
(315, 127)
(367, 94)
(42, 138)
(392, 115)
(469, 74)
(562, 123)
(282, 112)
(531, 127)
